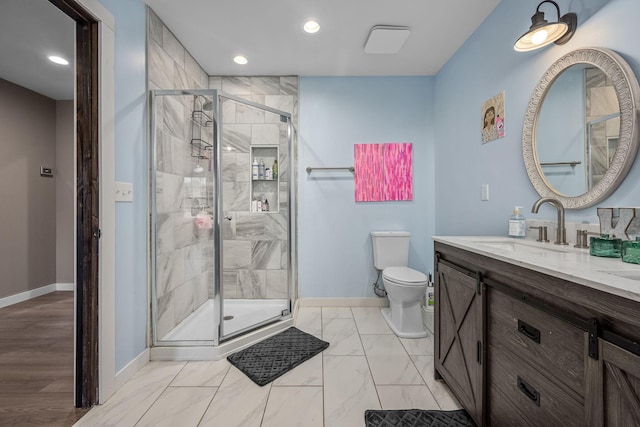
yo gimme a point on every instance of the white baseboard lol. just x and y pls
(65, 286)
(34, 293)
(126, 373)
(343, 302)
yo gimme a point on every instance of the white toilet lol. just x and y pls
(404, 285)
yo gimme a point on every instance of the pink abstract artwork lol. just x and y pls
(383, 172)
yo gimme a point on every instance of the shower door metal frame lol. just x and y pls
(216, 202)
(218, 297)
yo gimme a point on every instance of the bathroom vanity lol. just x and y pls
(535, 334)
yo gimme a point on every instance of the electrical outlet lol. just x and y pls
(485, 192)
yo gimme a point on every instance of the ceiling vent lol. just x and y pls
(386, 39)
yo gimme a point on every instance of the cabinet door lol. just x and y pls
(619, 401)
(459, 335)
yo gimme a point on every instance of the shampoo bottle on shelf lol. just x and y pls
(274, 169)
(517, 224)
(261, 169)
(255, 168)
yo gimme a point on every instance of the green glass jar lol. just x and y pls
(631, 251)
(605, 246)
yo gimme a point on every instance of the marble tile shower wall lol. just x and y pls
(256, 254)
(183, 252)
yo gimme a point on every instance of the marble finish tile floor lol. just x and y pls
(365, 367)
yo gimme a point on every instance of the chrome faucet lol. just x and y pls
(561, 231)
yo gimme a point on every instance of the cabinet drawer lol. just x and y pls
(520, 396)
(554, 347)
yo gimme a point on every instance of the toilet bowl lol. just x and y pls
(404, 287)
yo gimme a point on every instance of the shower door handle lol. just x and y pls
(228, 218)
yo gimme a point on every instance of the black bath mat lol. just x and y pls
(417, 418)
(267, 360)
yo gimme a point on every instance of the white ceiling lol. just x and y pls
(269, 34)
(30, 31)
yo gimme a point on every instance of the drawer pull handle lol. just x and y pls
(529, 331)
(529, 391)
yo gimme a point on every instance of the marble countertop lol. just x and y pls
(609, 275)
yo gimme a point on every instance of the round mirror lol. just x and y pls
(580, 133)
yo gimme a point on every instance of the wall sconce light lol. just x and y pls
(542, 33)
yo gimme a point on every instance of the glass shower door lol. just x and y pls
(183, 232)
(221, 237)
(255, 147)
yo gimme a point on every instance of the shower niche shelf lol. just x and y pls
(264, 188)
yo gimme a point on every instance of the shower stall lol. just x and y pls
(222, 264)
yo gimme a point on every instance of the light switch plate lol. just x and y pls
(124, 192)
(485, 192)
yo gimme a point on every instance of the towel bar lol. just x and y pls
(349, 168)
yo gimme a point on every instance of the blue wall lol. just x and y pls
(487, 64)
(131, 166)
(335, 253)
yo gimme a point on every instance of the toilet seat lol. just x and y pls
(404, 276)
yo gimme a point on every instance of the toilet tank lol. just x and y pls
(390, 248)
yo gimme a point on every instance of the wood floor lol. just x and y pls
(36, 362)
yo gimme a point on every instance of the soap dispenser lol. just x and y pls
(517, 224)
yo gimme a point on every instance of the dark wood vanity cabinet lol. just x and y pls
(521, 348)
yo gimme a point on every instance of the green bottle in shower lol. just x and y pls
(274, 169)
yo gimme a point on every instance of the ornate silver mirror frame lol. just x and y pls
(628, 92)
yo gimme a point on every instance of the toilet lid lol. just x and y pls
(404, 275)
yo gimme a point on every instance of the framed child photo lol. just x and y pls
(493, 118)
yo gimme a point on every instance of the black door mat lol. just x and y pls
(267, 360)
(417, 418)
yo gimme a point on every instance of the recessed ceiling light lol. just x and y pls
(240, 59)
(58, 60)
(311, 26)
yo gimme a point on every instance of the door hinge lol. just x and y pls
(479, 353)
(97, 233)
